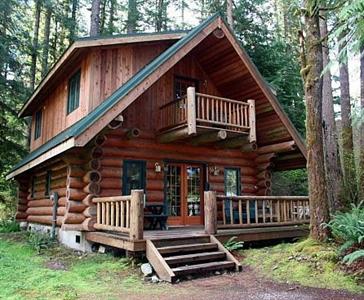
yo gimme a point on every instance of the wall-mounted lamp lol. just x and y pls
(214, 170)
(157, 167)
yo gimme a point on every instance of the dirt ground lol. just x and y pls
(245, 285)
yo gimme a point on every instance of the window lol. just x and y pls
(134, 174)
(181, 84)
(73, 92)
(232, 181)
(38, 124)
(48, 183)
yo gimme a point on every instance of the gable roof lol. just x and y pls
(85, 129)
(81, 44)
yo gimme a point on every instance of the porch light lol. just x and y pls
(157, 167)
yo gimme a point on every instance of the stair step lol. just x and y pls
(187, 248)
(181, 240)
(196, 257)
(210, 266)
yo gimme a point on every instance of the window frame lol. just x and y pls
(143, 165)
(48, 182)
(238, 177)
(74, 87)
(184, 78)
(38, 124)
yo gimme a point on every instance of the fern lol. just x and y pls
(354, 256)
(233, 245)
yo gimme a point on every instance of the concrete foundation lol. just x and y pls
(71, 239)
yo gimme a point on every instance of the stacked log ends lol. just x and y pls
(21, 214)
(264, 176)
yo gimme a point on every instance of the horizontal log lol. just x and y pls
(111, 172)
(111, 183)
(235, 142)
(45, 211)
(45, 220)
(88, 200)
(58, 183)
(264, 167)
(75, 194)
(155, 185)
(86, 225)
(75, 206)
(46, 202)
(174, 135)
(21, 207)
(264, 158)
(155, 196)
(114, 162)
(277, 148)
(209, 137)
(121, 132)
(264, 183)
(72, 159)
(90, 212)
(109, 192)
(74, 218)
(75, 183)
(21, 215)
(75, 171)
(249, 147)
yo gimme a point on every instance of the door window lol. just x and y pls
(232, 181)
(134, 174)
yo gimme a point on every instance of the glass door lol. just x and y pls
(184, 194)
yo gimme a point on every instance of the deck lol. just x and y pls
(122, 241)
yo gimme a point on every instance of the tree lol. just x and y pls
(133, 16)
(332, 159)
(229, 13)
(95, 18)
(47, 28)
(34, 55)
(361, 162)
(311, 58)
(73, 27)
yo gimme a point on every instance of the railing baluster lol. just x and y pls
(231, 212)
(112, 218)
(123, 214)
(271, 210)
(240, 212)
(256, 211)
(223, 213)
(127, 214)
(247, 212)
(103, 214)
(263, 211)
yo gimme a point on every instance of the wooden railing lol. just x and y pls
(254, 211)
(121, 214)
(208, 111)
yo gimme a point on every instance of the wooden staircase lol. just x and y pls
(176, 257)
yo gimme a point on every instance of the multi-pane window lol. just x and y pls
(134, 174)
(38, 124)
(48, 183)
(232, 182)
(181, 84)
(74, 92)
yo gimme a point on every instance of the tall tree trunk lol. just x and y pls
(311, 57)
(346, 130)
(131, 25)
(33, 68)
(159, 16)
(229, 13)
(110, 25)
(361, 161)
(73, 28)
(332, 158)
(47, 27)
(95, 18)
(103, 16)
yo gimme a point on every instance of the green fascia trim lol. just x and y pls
(99, 111)
(122, 35)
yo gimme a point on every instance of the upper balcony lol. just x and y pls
(201, 119)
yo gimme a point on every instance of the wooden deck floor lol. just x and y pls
(243, 234)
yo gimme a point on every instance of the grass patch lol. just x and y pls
(26, 274)
(307, 262)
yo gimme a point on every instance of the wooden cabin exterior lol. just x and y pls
(176, 124)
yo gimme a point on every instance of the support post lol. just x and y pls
(136, 215)
(252, 134)
(191, 110)
(210, 212)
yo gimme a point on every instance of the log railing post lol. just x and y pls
(136, 215)
(210, 212)
(252, 131)
(191, 110)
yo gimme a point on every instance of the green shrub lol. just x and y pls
(232, 244)
(348, 230)
(40, 241)
(10, 225)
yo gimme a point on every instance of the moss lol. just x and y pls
(307, 262)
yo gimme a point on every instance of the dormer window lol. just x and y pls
(38, 124)
(74, 92)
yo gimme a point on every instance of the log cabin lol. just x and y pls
(162, 144)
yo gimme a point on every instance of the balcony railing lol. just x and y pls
(197, 110)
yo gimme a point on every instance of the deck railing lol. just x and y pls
(208, 111)
(255, 211)
(121, 214)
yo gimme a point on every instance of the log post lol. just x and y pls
(252, 133)
(209, 137)
(136, 215)
(191, 110)
(210, 212)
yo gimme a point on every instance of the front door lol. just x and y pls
(184, 193)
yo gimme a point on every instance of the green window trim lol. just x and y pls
(48, 183)
(38, 124)
(73, 100)
(228, 184)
